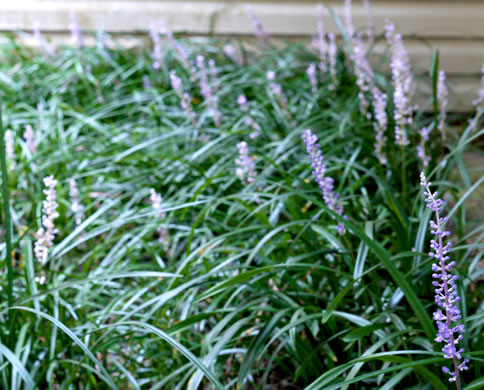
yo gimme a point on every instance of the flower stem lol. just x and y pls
(6, 211)
(404, 173)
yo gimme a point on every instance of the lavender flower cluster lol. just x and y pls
(421, 153)
(10, 148)
(442, 100)
(47, 49)
(364, 75)
(350, 28)
(259, 30)
(319, 41)
(179, 49)
(311, 72)
(325, 46)
(76, 33)
(332, 58)
(249, 121)
(365, 81)
(156, 54)
(402, 84)
(246, 166)
(325, 182)
(233, 54)
(206, 89)
(164, 236)
(276, 90)
(29, 137)
(185, 99)
(445, 287)
(480, 97)
(46, 234)
(380, 123)
(369, 19)
(76, 207)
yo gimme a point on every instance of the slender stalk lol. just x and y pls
(404, 173)
(6, 211)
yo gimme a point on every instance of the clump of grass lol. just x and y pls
(254, 287)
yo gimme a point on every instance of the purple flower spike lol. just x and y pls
(442, 100)
(156, 54)
(311, 72)
(29, 137)
(76, 33)
(364, 74)
(46, 234)
(332, 57)
(402, 84)
(185, 99)
(380, 123)
(10, 148)
(76, 207)
(212, 66)
(207, 92)
(164, 235)
(177, 46)
(242, 102)
(319, 40)
(233, 54)
(245, 164)
(259, 30)
(446, 290)
(350, 28)
(325, 182)
(249, 121)
(276, 90)
(369, 20)
(43, 45)
(424, 137)
(480, 96)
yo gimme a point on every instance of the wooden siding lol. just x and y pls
(428, 19)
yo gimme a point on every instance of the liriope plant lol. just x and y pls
(238, 275)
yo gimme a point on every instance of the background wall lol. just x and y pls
(456, 28)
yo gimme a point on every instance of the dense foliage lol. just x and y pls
(223, 282)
